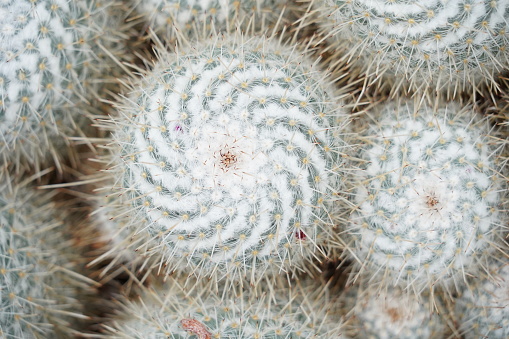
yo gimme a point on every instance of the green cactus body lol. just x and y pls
(483, 308)
(190, 16)
(391, 314)
(37, 295)
(49, 61)
(230, 154)
(301, 312)
(428, 196)
(453, 44)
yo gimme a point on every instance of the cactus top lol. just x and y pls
(391, 314)
(230, 151)
(433, 41)
(428, 195)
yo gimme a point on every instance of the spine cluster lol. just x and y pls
(231, 152)
(428, 196)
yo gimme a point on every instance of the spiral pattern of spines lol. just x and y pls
(428, 196)
(50, 61)
(232, 153)
(454, 44)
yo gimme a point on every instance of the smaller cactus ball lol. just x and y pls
(391, 314)
(428, 195)
(483, 308)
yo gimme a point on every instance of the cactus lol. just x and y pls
(392, 314)
(39, 283)
(483, 308)
(231, 153)
(302, 311)
(51, 60)
(428, 196)
(455, 44)
(190, 17)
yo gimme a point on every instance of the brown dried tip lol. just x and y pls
(196, 328)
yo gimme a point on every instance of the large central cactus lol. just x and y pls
(230, 153)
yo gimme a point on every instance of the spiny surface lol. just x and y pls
(232, 153)
(459, 42)
(36, 297)
(483, 308)
(191, 16)
(49, 61)
(288, 313)
(391, 314)
(428, 196)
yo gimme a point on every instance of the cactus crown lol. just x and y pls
(229, 152)
(394, 313)
(428, 196)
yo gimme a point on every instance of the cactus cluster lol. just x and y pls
(50, 59)
(232, 153)
(243, 171)
(453, 44)
(428, 196)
